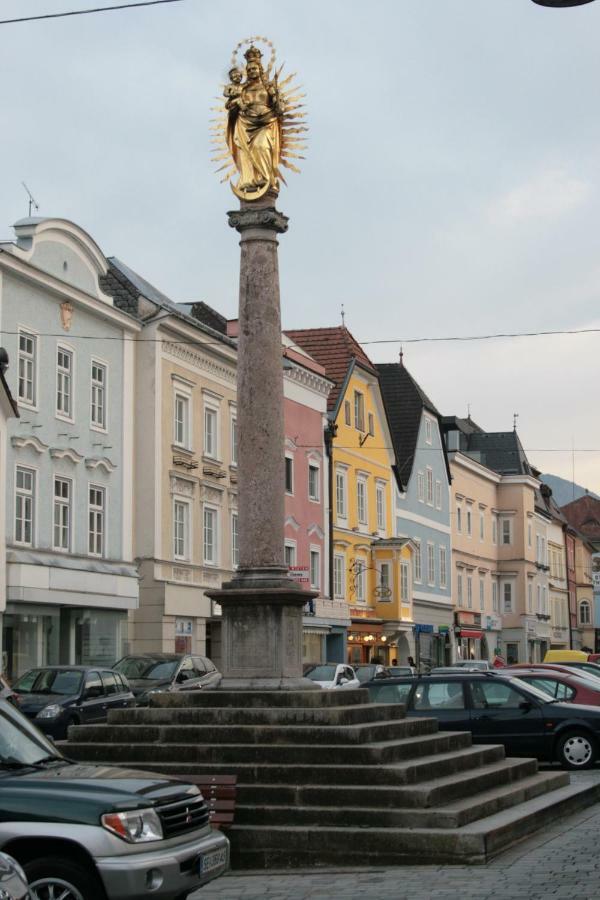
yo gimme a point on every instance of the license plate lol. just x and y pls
(212, 861)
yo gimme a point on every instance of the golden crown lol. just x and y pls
(253, 54)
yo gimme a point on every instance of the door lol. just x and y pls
(93, 701)
(500, 714)
(187, 677)
(443, 700)
(113, 691)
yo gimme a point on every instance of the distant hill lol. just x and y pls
(562, 490)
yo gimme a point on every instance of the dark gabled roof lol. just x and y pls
(124, 294)
(404, 402)
(455, 423)
(206, 314)
(500, 451)
(336, 350)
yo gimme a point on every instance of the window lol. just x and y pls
(459, 519)
(539, 599)
(443, 568)
(544, 601)
(494, 530)
(181, 527)
(359, 581)
(384, 580)
(361, 501)
(315, 569)
(469, 592)
(430, 564)
(290, 554)
(404, 583)
(495, 596)
(417, 560)
(428, 430)
(64, 383)
(347, 413)
(340, 494)
(210, 536)
(506, 532)
(508, 598)
(289, 475)
(371, 425)
(98, 395)
(210, 432)
(530, 597)
(529, 534)
(96, 518)
(430, 486)
(359, 411)
(380, 495)
(181, 423)
(24, 503)
(584, 613)
(235, 545)
(439, 695)
(481, 525)
(27, 368)
(421, 487)
(234, 441)
(494, 695)
(313, 482)
(481, 594)
(469, 521)
(459, 588)
(62, 514)
(339, 573)
(438, 495)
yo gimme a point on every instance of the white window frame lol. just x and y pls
(430, 564)
(359, 411)
(587, 619)
(418, 561)
(98, 388)
(347, 413)
(381, 506)
(28, 359)
(181, 542)
(65, 383)
(314, 496)
(233, 436)
(469, 520)
(214, 512)
(530, 597)
(25, 497)
(293, 547)
(428, 430)
(362, 508)
(438, 494)
(314, 553)
(185, 440)
(507, 607)
(469, 592)
(495, 530)
(459, 589)
(421, 487)
(505, 522)
(429, 485)
(371, 424)
(211, 410)
(404, 584)
(495, 595)
(481, 593)
(385, 581)
(341, 508)
(459, 519)
(289, 457)
(360, 581)
(62, 504)
(481, 525)
(339, 576)
(443, 566)
(235, 540)
(97, 520)
(529, 534)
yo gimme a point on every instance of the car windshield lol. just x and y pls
(161, 670)
(321, 673)
(471, 664)
(49, 681)
(133, 666)
(20, 742)
(537, 692)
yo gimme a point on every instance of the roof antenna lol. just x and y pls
(401, 356)
(32, 201)
(343, 317)
(515, 417)
(469, 411)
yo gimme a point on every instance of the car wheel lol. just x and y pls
(53, 878)
(577, 750)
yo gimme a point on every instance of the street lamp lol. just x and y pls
(561, 4)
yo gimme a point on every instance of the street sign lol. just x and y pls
(299, 574)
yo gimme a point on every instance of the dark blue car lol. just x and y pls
(55, 697)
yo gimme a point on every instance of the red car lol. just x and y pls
(568, 686)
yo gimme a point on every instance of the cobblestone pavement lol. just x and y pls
(560, 863)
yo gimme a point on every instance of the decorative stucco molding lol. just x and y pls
(316, 529)
(66, 453)
(307, 379)
(99, 462)
(28, 440)
(211, 494)
(292, 522)
(204, 363)
(182, 486)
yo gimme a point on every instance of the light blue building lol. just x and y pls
(70, 578)
(422, 511)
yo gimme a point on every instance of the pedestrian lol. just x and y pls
(411, 662)
(394, 662)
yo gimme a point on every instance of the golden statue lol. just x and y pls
(260, 125)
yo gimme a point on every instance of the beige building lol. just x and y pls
(585, 591)
(8, 410)
(185, 520)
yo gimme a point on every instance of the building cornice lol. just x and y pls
(204, 363)
(308, 379)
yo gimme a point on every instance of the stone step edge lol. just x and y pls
(290, 729)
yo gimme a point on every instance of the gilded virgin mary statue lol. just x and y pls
(261, 124)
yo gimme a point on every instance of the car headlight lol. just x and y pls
(137, 826)
(50, 712)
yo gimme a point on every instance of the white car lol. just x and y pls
(330, 676)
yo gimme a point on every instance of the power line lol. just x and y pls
(86, 12)
(483, 337)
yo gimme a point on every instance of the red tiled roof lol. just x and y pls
(334, 348)
(584, 515)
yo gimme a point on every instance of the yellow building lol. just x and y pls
(370, 569)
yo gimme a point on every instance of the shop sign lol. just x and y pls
(493, 623)
(468, 618)
(299, 574)
(423, 629)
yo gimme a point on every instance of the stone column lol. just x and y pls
(262, 607)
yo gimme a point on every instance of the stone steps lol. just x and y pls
(269, 846)
(261, 699)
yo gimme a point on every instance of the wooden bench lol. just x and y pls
(219, 793)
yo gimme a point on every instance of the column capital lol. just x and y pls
(267, 218)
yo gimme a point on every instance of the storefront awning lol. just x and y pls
(468, 633)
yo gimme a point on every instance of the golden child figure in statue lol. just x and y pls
(260, 126)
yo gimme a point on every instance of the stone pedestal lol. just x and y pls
(261, 606)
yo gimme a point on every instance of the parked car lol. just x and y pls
(7, 693)
(13, 881)
(572, 687)
(333, 675)
(398, 671)
(500, 709)
(481, 664)
(55, 697)
(85, 832)
(367, 671)
(152, 673)
(566, 668)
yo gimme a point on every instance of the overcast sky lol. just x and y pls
(451, 184)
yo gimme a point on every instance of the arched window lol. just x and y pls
(584, 613)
